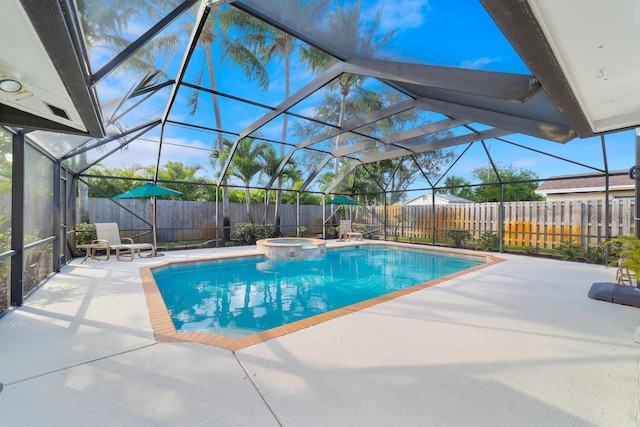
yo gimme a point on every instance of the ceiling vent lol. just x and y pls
(58, 112)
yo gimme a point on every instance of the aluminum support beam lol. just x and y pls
(317, 84)
(401, 136)
(347, 127)
(298, 214)
(422, 148)
(545, 130)
(324, 217)
(56, 219)
(435, 145)
(345, 173)
(104, 141)
(140, 42)
(504, 86)
(519, 24)
(17, 219)
(637, 180)
(201, 19)
(501, 219)
(315, 172)
(607, 207)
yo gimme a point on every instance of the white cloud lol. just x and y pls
(144, 152)
(527, 163)
(479, 63)
(400, 14)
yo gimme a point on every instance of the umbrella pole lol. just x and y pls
(153, 225)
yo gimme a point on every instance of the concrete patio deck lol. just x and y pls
(516, 343)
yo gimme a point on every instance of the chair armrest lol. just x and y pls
(127, 238)
(100, 242)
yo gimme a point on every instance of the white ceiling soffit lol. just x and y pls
(37, 49)
(585, 55)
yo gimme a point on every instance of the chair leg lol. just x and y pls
(151, 254)
(130, 255)
(623, 276)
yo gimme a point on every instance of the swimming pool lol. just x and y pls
(241, 297)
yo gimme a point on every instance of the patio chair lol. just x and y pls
(623, 275)
(109, 236)
(346, 233)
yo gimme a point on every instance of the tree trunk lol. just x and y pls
(226, 209)
(343, 107)
(247, 198)
(285, 125)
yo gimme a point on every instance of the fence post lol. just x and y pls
(501, 217)
(298, 214)
(384, 215)
(637, 181)
(433, 216)
(216, 221)
(324, 217)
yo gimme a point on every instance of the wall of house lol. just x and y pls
(596, 195)
(426, 200)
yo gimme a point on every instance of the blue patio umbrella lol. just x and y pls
(148, 190)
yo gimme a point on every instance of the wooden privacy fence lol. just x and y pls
(179, 221)
(538, 224)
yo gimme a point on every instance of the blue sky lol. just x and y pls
(435, 32)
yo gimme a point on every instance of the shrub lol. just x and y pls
(627, 250)
(85, 233)
(5, 239)
(459, 237)
(594, 254)
(303, 230)
(249, 234)
(569, 250)
(360, 228)
(489, 241)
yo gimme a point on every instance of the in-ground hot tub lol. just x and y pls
(292, 248)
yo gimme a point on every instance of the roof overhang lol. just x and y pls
(43, 51)
(583, 54)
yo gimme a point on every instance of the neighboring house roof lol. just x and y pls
(440, 199)
(585, 183)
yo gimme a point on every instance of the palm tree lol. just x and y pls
(213, 33)
(271, 163)
(113, 186)
(182, 178)
(269, 44)
(344, 23)
(272, 44)
(246, 163)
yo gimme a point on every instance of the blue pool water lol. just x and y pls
(244, 296)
